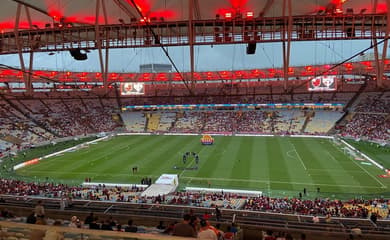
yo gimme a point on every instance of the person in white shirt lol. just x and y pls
(205, 233)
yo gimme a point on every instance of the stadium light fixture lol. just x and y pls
(309, 68)
(228, 15)
(249, 14)
(349, 11)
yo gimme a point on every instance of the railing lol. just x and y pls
(153, 212)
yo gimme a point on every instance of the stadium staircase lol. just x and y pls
(44, 104)
(308, 116)
(83, 103)
(26, 107)
(350, 105)
(118, 99)
(153, 121)
(355, 97)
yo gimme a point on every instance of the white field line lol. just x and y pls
(190, 164)
(216, 179)
(373, 177)
(268, 181)
(383, 186)
(299, 156)
(332, 156)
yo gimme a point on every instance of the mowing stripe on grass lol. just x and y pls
(266, 181)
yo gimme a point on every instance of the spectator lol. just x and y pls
(205, 233)
(39, 210)
(52, 234)
(160, 226)
(184, 229)
(89, 218)
(169, 229)
(228, 235)
(31, 218)
(94, 224)
(37, 234)
(74, 222)
(131, 227)
(316, 219)
(268, 235)
(218, 213)
(106, 225)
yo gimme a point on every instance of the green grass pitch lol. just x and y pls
(278, 166)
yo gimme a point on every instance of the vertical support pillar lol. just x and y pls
(287, 29)
(99, 46)
(105, 77)
(380, 60)
(27, 84)
(34, 44)
(191, 41)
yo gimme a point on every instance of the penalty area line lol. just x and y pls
(368, 173)
(299, 156)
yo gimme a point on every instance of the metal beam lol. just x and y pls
(191, 41)
(379, 64)
(197, 12)
(287, 33)
(43, 11)
(123, 5)
(105, 77)
(35, 44)
(19, 48)
(266, 7)
(132, 35)
(381, 76)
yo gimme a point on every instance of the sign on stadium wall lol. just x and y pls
(132, 88)
(323, 83)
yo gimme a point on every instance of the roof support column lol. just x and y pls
(380, 60)
(103, 63)
(27, 84)
(191, 41)
(105, 77)
(287, 29)
(34, 44)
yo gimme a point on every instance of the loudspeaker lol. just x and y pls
(77, 55)
(251, 48)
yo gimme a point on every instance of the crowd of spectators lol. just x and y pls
(25, 123)
(371, 118)
(321, 207)
(51, 190)
(355, 208)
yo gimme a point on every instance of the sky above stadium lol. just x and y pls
(207, 58)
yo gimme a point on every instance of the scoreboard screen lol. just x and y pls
(132, 88)
(323, 83)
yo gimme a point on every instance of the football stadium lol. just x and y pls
(223, 119)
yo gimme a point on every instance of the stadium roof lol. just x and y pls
(43, 12)
(39, 15)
